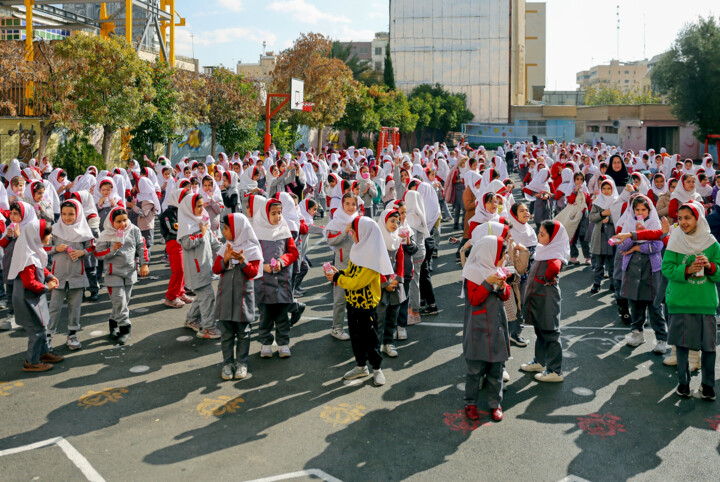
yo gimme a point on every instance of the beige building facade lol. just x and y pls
(261, 71)
(625, 76)
(535, 48)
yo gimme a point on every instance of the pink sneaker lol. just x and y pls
(186, 299)
(176, 303)
(211, 334)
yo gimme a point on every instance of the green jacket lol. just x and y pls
(691, 294)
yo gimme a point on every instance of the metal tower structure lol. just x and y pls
(159, 16)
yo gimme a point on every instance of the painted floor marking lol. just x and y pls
(71, 452)
(302, 473)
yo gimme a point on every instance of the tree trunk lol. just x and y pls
(212, 153)
(168, 151)
(106, 142)
(46, 129)
(320, 138)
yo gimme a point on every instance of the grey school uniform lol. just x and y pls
(198, 259)
(602, 253)
(91, 262)
(541, 308)
(486, 346)
(340, 243)
(390, 301)
(694, 332)
(72, 283)
(418, 258)
(32, 313)
(640, 287)
(121, 271)
(369, 196)
(235, 304)
(274, 295)
(9, 284)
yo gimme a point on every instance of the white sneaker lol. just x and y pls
(378, 377)
(506, 376)
(6, 325)
(357, 372)
(241, 372)
(339, 334)
(660, 348)
(227, 371)
(265, 351)
(389, 350)
(284, 351)
(636, 338)
(73, 343)
(401, 333)
(413, 318)
(547, 376)
(533, 366)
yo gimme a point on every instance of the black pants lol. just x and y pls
(235, 341)
(427, 296)
(304, 268)
(402, 315)
(362, 325)
(387, 315)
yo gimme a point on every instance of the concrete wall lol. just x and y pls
(462, 44)
(535, 49)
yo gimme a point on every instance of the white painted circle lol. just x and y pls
(569, 354)
(460, 386)
(97, 333)
(184, 338)
(354, 382)
(142, 310)
(139, 369)
(583, 392)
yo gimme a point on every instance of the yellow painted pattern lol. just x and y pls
(342, 414)
(106, 395)
(219, 406)
(5, 387)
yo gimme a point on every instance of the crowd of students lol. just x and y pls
(236, 231)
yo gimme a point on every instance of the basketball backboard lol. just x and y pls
(297, 94)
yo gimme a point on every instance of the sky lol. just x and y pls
(580, 33)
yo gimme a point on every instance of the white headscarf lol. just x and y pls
(289, 211)
(432, 205)
(392, 240)
(482, 215)
(243, 239)
(370, 250)
(683, 195)
(188, 222)
(87, 202)
(29, 249)
(261, 223)
(483, 259)
(340, 221)
(307, 217)
(146, 192)
(557, 248)
(658, 191)
(415, 215)
(78, 231)
(97, 195)
(628, 222)
(490, 228)
(539, 183)
(698, 241)
(13, 170)
(54, 179)
(603, 201)
(522, 233)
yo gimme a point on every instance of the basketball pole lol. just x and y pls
(269, 115)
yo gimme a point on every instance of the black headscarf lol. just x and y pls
(620, 177)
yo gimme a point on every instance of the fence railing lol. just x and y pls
(14, 95)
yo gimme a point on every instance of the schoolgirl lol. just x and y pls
(539, 191)
(410, 248)
(274, 288)
(542, 301)
(43, 207)
(32, 281)
(146, 207)
(602, 253)
(367, 190)
(393, 292)
(418, 223)
(72, 240)
(122, 247)
(684, 192)
(486, 343)
(691, 266)
(291, 215)
(368, 267)
(175, 296)
(336, 234)
(199, 244)
(212, 202)
(641, 265)
(238, 264)
(308, 210)
(486, 210)
(106, 197)
(230, 192)
(525, 240)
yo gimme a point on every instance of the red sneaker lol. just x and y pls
(497, 414)
(471, 412)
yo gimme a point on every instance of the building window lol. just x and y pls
(627, 81)
(627, 72)
(378, 51)
(611, 130)
(593, 128)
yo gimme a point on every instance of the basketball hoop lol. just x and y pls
(307, 106)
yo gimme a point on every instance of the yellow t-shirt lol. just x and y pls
(361, 285)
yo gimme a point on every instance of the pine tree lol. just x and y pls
(388, 74)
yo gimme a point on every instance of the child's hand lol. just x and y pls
(75, 254)
(665, 225)
(606, 212)
(117, 245)
(60, 248)
(203, 228)
(494, 280)
(239, 256)
(622, 236)
(267, 268)
(634, 249)
(129, 204)
(228, 253)
(52, 284)
(144, 270)
(695, 266)
(278, 266)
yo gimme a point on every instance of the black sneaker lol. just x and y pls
(93, 297)
(595, 289)
(114, 330)
(429, 310)
(611, 288)
(518, 340)
(707, 392)
(297, 314)
(124, 334)
(683, 390)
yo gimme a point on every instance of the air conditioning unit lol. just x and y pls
(616, 124)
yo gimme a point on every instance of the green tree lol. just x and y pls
(344, 53)
(607, 95)
(113, 88)
(360, 116)
(75, 154)
(388, 72)
(393, 109)
(163, 125)
(284, 135)
(238, 136)
(689, 74)
(438, 110)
